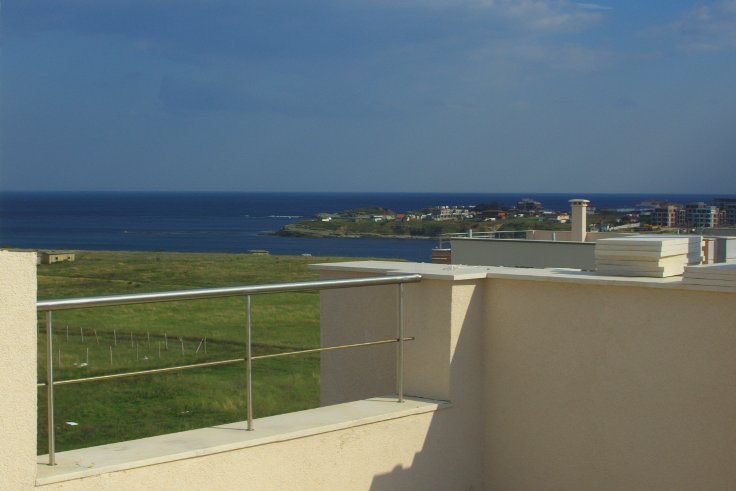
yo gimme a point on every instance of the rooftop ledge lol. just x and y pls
(459, 272)
(85, 462)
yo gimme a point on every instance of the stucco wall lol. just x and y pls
(443, 362)
(584, 384)
(566, 382)
(17, 370)
(403, 454)
(603, 387)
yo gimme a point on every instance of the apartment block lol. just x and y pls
(699, 215)
(664, 216)
(727, 206)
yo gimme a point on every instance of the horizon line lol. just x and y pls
(127, 191)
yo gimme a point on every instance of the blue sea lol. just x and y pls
(236, 222)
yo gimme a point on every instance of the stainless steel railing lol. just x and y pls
(444, 239)
(49, 306)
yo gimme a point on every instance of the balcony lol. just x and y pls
(516, 379)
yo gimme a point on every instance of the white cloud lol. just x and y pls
(548, 16)
(592, 6)
(707, 27)
(543, 16)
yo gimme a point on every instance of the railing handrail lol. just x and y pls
(443, 238)
(461, 235)
(232, 291)
(49, 306)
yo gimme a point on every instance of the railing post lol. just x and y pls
(248, 363)
(400, 354)
(50, 388)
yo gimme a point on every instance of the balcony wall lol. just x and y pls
(593, 386)
(556, 379)
(17, 369)
(338, 447)
(576, 381)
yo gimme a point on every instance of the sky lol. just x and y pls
(368, 95)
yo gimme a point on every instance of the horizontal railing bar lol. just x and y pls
(482, 234)
(170, 296)
(143, 372)
(330, 348)
(216, 363)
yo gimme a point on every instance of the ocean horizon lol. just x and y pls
(240, 221)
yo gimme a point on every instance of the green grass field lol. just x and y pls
(99, 341)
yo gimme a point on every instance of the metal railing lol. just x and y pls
(49, 306)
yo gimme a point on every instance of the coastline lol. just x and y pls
(238, 222)
(329, 234)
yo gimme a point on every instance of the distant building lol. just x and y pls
(664, 216)
(727, 207)
(451, 213)
(553, 216)
(495, 214)
(651, 205)
(51, 257)
(699, 215)
(528, 204)
(258, 252)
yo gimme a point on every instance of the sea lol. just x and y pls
(238, 222)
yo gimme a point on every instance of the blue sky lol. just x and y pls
(369, 95)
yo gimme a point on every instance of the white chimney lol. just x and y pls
(578, 219)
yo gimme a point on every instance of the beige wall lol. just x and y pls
(581, 385)
(602, 387)
(401, 454)
(443, 362)
(17, 370)
(554, 385)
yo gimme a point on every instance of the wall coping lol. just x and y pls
(459, 272)
(103, 459)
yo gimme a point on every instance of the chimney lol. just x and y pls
(578, 219)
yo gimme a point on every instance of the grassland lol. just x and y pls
(99, 341)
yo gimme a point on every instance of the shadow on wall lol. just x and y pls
(451, 457)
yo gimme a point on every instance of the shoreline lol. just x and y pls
(330, 235)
